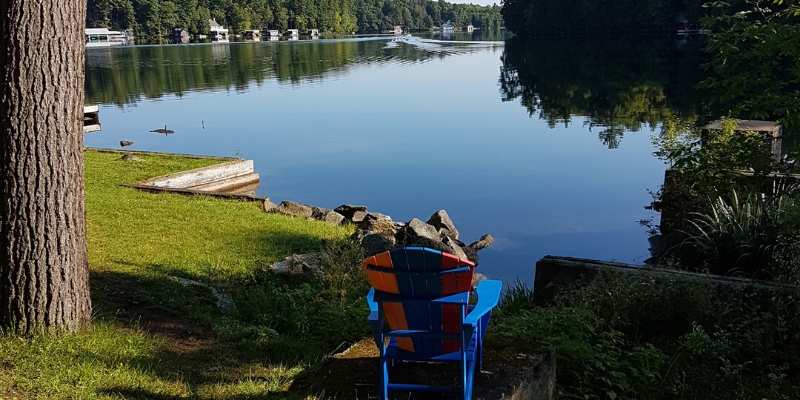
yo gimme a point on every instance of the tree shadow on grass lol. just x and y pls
(354, 374)
(185, 317)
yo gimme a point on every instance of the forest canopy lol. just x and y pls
(584, 17)
(157, 18)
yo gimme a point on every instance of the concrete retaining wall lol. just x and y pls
(553, 273)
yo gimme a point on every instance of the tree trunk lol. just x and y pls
(44, 273)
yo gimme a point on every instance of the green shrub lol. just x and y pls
(740, 235)
(645, 337)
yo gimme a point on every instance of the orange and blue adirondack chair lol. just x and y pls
(420, 311)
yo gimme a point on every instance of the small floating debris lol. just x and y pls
(163, 131)
(125, 143)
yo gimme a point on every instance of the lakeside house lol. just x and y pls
(273, 35)
(398, 30)
(103, 37)
(469, 28)
(180, 36)
(293, 34)
(447, 27)
(217, 32)
(313, 33)
(253, 35)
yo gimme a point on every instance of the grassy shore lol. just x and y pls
(155, 336)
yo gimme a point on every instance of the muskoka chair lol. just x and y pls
(420, 311)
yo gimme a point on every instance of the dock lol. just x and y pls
(771, 130)
(91, 118)
(234, 178)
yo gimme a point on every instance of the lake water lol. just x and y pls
(546, 146)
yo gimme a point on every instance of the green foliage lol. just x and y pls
(558, 79)
(646, 337)
(711, 162)
(586, 17)
(742, 236)
(157, 18)
(755, 68)
(725, 211)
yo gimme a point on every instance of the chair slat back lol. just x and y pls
(408, 280)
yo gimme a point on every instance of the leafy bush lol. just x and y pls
(740, 236)
(645, 337)
(723, 208)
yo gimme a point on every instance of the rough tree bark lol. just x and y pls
(44, 274)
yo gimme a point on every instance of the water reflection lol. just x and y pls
(408, 130)
(619, 86)
(125, 75)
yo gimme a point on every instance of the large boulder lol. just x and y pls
(377, 233)
(374, 243)
(294, 209)
(441, 220)
(358, 217)
(327, 215)
(454, 247)
(422, 234)
(348, 210)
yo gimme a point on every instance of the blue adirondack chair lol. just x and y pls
(420, 311)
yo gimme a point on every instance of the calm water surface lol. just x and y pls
(530, 146)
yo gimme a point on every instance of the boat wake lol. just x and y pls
(446, 46)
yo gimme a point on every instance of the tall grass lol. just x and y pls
(741, 234)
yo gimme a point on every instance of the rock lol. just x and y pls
(485, 241)
(378, 223)
(267, 205)
(294, 209)
(358, 217)
(376, 233)
(327, 215)
(420, 233)
(125, 143)
(224, 301)
(441, 220)
(130, 157)
(374, 243)
(453, 247)
(472, 254)
(298, 264)
(348, 210)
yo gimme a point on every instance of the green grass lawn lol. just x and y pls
(154, 337)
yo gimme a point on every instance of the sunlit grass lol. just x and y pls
(138, 241)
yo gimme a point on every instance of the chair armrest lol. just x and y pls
(373, 305)
(488, 297)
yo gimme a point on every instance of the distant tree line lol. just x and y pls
(555, 18)
(197, 68)
(157, 18)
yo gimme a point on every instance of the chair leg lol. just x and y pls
(469, 378)
(479, 355)
(383, 385)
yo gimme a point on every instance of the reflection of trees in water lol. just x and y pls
(123, 75)
(619, 86)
